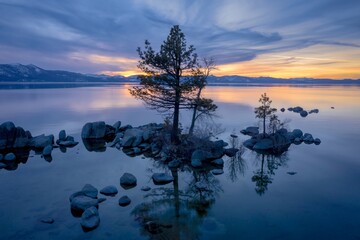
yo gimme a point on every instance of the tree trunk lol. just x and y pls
(264, 125)
(175, 128)
(191, 130)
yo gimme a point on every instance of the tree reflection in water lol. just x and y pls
(172, 213)
(268, 164)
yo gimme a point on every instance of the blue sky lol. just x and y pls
(287, 38)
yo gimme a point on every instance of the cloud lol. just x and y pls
(51, 33)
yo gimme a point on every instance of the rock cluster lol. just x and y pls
(279, 141)
(17, 142)
(301, 111)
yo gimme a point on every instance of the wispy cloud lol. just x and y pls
(95, 36)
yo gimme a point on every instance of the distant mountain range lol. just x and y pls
(17, 73)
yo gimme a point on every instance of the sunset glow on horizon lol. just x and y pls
(283, 39)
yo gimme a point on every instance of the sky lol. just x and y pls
(278, 38)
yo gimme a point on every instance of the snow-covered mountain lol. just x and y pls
(32, 73)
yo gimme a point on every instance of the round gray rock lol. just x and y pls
(162, 178)
(128, 180)
(109, 191)
(90, 218)
(124, 201)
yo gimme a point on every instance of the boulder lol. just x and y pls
(162, 178)
(62, 135)
(230, 152)
(109, 191)
(296, 133)
(297, 109)
(117, 125)
(196, 163)
(297, 141)
(303, 113)
(90, 218)
(280, 140)
(174, 163)
(9, 157)
(90, 191)
(132, 137)
(250, 131)
(314, 111)
(47, 150)
(308, 138)
(249, 143)
(94, 130)
(2, 165)
(317, 141)
(200, 156)
(124, 201)
(1, 157)
(7, 135)
(128, 180)
(22, 138)
(218, 162)
(81, 203)
(282, 109)
(41, 141)
(263, 144)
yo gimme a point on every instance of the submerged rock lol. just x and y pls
(124, 201)
(109, 191)
(128, 180)
(90, 218)
(94, 130)
(162, 178)
(41, 141)
(47, 220)
(145, 188)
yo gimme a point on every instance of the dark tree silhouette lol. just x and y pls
(167, 83)
(202, 106)
(264, 110)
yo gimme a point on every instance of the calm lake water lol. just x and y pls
(320, 201)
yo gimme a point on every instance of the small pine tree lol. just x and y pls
(264, 111)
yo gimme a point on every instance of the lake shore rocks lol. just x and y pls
(278, 142)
